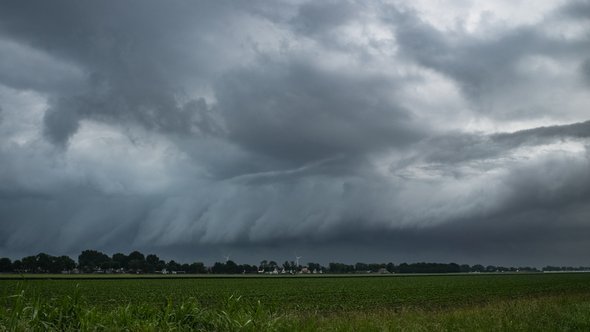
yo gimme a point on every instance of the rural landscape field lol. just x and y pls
(489, 302)
(295, 165)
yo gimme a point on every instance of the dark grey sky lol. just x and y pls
(340, 130)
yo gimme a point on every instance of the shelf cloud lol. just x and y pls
(343, 130)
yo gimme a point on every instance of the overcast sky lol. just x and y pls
(338, 130)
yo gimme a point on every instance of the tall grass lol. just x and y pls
(24, 311)
(554, 313)
(74, 313)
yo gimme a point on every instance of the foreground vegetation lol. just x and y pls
(483, 302)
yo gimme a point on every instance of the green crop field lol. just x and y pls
(437, 302)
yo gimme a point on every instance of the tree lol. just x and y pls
(29, 264)
(152, 263)
(161, 265)
(289, 266)
(45, 262)
(315, 267)
(17, 266)
(136, 265)
(231, 267)
(5, 264)
(390, 267)
(375, 267)
(197, 267)
(120, 260)
(361, 267)
(90, 260)
(64, 263)
(477, 268)
(172, 266)
(340, 268)
(453, 268)
(248, 268)
(137, 261)
(136, 255)
(218, 268)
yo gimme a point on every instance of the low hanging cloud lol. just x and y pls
(342, 130)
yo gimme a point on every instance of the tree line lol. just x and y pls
(93, 261)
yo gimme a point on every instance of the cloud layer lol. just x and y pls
(342, 130)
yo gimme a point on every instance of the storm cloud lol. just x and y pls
(341, 130)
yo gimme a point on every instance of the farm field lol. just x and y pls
(435, 302)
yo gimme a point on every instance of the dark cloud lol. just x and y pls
(298, 112)
(545, 134)
(586, 70)
(339, 130)
(27, 68)
(456, 148)
(578, 9)
(321, 17)
(134, 63)
(485, 67)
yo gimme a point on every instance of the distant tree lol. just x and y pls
(161, 265)
(340, 268)
(152, 259)
(45, 262)
(120, 260)
(137, 262)
(375, 267)
(477, 268)
(390, 267)
(63, 263)
(403, 268)
(288, 266)
(136, 255)
(231, 267)
(218, 268)
(172, 266)
(197, 267)
(314, 266)
(246, 268)
(361, 267)
(465, 268)
(534, 269)
(90, 260)
(424, 267)
(5, 264)
(137, 265)
(151, 263)
(29, 264)
(17, 266)
(453, 268)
